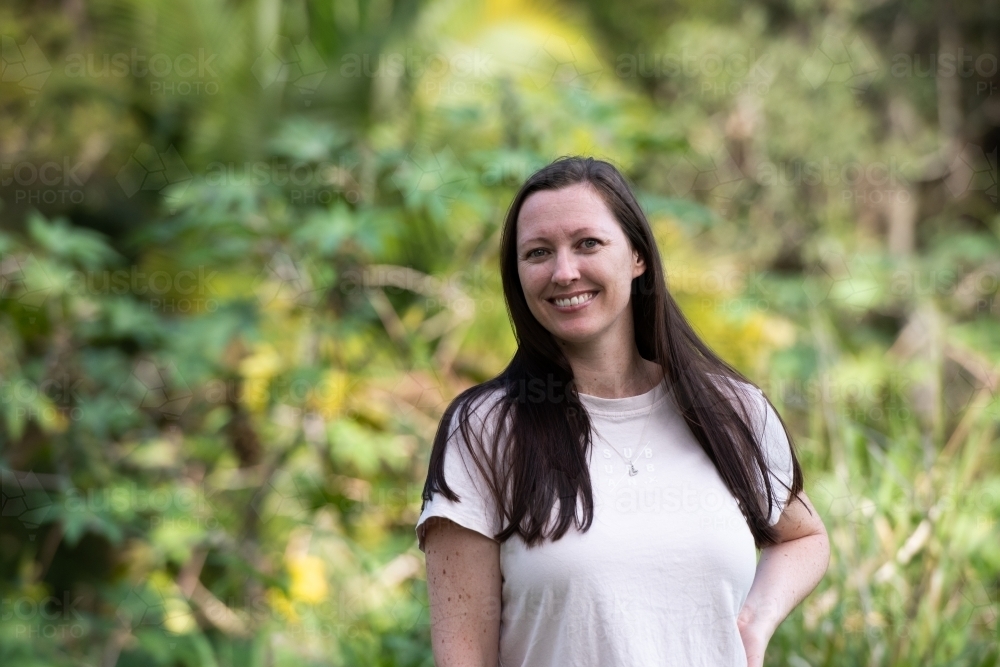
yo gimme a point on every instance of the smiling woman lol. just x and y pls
(609, 515)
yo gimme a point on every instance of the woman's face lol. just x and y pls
(569, 245)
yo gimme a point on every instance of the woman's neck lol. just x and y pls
(610, 365)
(610, 378)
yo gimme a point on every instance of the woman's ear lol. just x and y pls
(638, 264)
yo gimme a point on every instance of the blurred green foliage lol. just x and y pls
(248, 253)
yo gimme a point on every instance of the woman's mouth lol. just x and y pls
(573, 303)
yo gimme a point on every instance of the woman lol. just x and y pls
(612, 519)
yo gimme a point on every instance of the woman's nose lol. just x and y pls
(565, 268)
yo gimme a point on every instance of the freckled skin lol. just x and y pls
(786, 573)
(464, 632)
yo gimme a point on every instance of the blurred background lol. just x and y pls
(248, 253)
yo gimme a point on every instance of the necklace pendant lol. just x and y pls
(632, 472)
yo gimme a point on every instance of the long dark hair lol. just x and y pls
(540, 447)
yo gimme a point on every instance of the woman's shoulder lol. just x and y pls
(728, 383)
(480, 406)
(736, 389)
(479, 400)
(744, 395)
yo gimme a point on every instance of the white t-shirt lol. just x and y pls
(663, 571)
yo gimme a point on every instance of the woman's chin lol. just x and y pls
(574, 335)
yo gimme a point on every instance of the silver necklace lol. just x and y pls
(632, 471)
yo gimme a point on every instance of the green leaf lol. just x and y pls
(78, 246)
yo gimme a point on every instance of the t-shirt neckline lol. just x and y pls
(629, 405)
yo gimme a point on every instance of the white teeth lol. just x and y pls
(575, 300)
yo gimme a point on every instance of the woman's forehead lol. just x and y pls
(564, 212)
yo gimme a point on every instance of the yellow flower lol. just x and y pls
(264, 363)
(257, 370)
(178, 618)
(308, 575)
(281, 604)
(328, 397)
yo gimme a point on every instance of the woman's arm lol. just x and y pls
(463, 588)
(786, 573)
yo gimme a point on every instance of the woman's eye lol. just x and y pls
(531, 254)
(595, 242)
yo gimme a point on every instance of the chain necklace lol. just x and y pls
(632, 471)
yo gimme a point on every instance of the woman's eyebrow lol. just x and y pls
(579, 232)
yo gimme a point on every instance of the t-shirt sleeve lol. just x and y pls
(773, 439)
(777, 453)
(476, 508)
